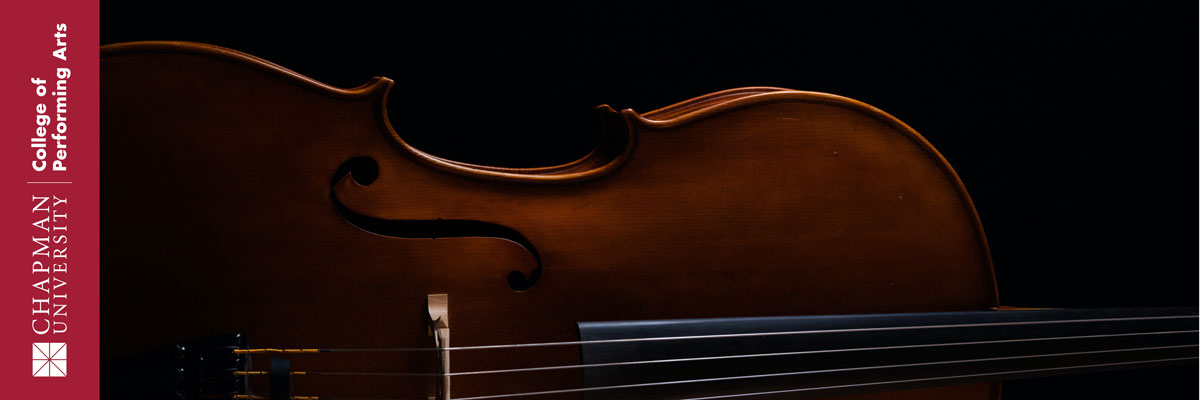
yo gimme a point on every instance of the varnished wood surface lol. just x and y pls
(762, 201)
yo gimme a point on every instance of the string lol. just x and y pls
(256, 396)
(809, 372)
(716, 336)
(343, 373)
(712, 358)
(928, 379)
(762, 334)
(877, 383)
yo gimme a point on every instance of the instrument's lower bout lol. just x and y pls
(221, 217)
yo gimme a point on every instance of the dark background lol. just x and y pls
(1072, 125)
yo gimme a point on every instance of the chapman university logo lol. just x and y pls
(49, 360)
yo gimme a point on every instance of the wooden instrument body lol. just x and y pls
(220, 216)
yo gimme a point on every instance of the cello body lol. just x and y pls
(239, 196)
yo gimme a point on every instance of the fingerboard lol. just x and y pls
(795, 357)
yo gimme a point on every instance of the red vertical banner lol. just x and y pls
(50, 201)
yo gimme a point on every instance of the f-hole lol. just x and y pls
(365, 170)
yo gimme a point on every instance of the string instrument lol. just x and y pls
(268, 236)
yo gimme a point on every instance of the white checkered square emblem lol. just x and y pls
(49, 359)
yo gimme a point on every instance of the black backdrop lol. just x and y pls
(1070, 124)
